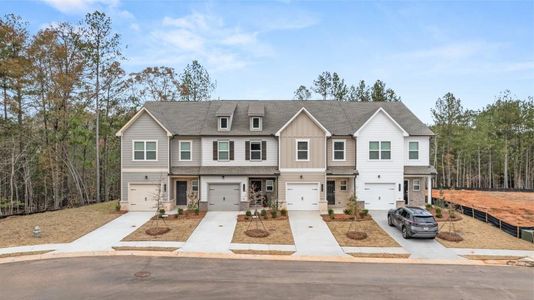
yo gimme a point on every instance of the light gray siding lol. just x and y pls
(145, 128)
(152, 177)
(195, 152)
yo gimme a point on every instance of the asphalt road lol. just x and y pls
(188, 278)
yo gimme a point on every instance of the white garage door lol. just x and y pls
(379, 195)
(302, 196)
(143, 197)
(223, 197)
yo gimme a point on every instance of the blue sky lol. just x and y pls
(265, 50)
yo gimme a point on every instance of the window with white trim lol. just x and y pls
(343, 185)
(255, 123)
(303, 150)
(379, 150)
(338, 149)
(194, 185)
(223, 150)
(269, 185)
(255, 150)
(223, 123)
(413, 150)
(185, 150)
(416, 185)
(145, 150)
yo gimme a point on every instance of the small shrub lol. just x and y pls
(118, 206)
(180, 211)
(438, 213)
(330, 212)
(365, 212)
(263, 213)
(283, 212)
(161, 211)
(452, 214)
(248, 213)
(197, 211)
(428, 206)
(347, 211)
(274, 214)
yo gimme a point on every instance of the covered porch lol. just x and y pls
(417, 185)
(340, 186)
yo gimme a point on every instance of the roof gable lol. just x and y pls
(303, 110)
(379, 110)
(136, 116)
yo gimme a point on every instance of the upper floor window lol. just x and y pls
(413, 151)
(145, 150)
(223, 123)
(255, 123)
(223, 150)
(380, 150)
(338, 149)
(303, 150)
(255, 150)
(185, 150)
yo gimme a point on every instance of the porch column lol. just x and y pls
(429, 184)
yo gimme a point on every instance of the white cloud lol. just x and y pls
(77, 6)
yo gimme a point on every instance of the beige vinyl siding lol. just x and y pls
(145, 128)
(310, 177)
(302, 127)
(417, 198)
(195, 153)
(350, 151)
(342, 197)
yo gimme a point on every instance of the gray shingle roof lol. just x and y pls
(420, 170)
(340, 118)
(214, 170)
(341, 170)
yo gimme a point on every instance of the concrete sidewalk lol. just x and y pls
(103, 238)
(312, 236)
(214, 233)
(419, 248)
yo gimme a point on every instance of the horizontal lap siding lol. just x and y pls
(195, 153)
(424, 151)
(145, 128)
(302, 127)
(153, 177)
(239, 152)
(350, 152)
(295, 178)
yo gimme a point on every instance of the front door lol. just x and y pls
(181, 192)
(406, 192)
(331, 192)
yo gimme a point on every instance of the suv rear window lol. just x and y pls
(423, 219)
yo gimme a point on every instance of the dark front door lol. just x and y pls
(181, 192)
(331, 192)
(406, 192)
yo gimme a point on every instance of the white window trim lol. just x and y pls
(267, 185)
(250, 151)
(344, 150)
(144, 141)
(190, 150)
(192, 185)
(413, 150)
(414, 185)
(227, 123)
(346, 185)
(218, 151)
(297, 149)
(252, 128)
(379, 151)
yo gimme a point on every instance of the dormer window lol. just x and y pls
(255, 123)
(223, 123)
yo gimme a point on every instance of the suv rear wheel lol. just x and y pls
(390, 221)
(405, 233)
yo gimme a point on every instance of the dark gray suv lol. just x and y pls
(413, 222)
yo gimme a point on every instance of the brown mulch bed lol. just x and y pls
(356, 235)
(445, 215)
(243, 218)
(153, 231)
(344, 218)
(480, 235)
(263, 252)
(257, 233)
(516, 208)
(181, 229)
(380, 255)
(376, 237)
(61, 226)
(279, 232)
(24, 253)
(128, 248)
(450, 236)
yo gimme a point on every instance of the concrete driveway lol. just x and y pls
(311, 234)
(214, 233)
(419, 248)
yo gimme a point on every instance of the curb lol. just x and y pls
(334, 259)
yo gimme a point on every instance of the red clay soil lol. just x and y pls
(515, 208)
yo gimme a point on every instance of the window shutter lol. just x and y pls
(215, 150)
(231, 150)
(263, 150)
(247, 150)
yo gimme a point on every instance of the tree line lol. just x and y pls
(64, 96)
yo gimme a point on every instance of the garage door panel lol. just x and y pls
(379, 195)
(223, 197)
(302, 196)
(143, 197)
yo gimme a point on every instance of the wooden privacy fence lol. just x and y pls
(481, 215)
